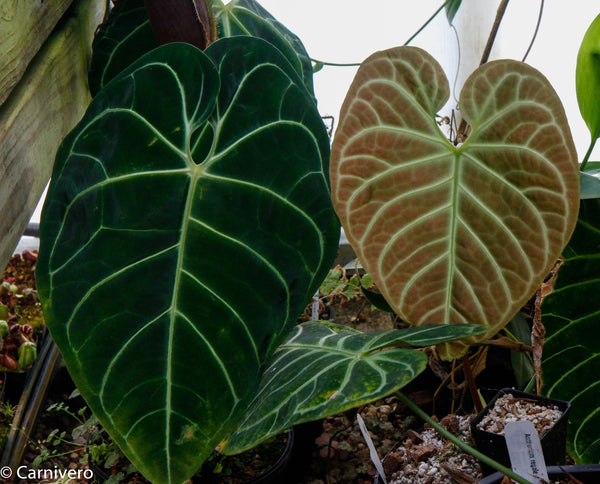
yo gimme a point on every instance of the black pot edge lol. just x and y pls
(277, 472)
(273, 475)
(494, 445)
(578, 471)
(563, 404)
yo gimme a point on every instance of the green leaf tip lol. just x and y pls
(587, 78)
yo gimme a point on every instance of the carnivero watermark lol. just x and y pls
(36, 475)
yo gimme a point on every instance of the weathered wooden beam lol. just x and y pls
(48, 101)
(24, 27)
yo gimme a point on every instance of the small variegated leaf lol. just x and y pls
(324, 369)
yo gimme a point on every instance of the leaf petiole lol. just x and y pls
(588, 154)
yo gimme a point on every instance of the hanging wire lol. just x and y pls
(458, 64)
(537, 27)
(319, 64)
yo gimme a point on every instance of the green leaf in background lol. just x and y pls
(571, 315)
(127, 35)
(119, 42)
(452, 7)
(454, 234)
(587, 78)
(179, 245)
(248, 17)
(522, 364)
(590, 181)
(324, 369)
(373, 295)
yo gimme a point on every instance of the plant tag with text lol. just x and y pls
(525, 451)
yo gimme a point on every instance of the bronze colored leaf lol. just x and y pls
(454, 234)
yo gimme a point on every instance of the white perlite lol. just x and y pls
(434, 459)
(512, 409)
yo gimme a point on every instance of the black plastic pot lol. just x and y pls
(553, 441)
(276, 474)
(587, 474)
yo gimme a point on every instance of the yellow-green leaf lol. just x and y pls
(587, 78)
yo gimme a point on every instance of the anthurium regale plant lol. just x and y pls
(187, 224)
(454, 233)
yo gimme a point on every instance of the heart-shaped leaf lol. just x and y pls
(127, 35)
(187, 224)
(324, 369)
(454, 234)
(571, 316)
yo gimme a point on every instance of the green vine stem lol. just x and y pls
(459, 443)
(588, 154)
(318, 64)
(427, 22)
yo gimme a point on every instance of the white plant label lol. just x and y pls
(372, 451)
(525, 451)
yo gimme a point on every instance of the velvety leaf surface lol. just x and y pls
(324, 369)
(571, 315)
(454, 234)
(119, 42)
(248, 17)
(127, 35)
(180, 239)
(587, 78)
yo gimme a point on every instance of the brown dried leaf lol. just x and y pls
(538, 331)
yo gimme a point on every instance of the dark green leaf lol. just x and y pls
(324, 369)
(571, 315)
(248, 17)
(452, 7)
(377, 300)
(521, 362)
(178, 243)
(124, 38)
(127, 35)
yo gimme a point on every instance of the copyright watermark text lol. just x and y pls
(36, 475)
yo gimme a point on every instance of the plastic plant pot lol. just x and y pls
(553, 440)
